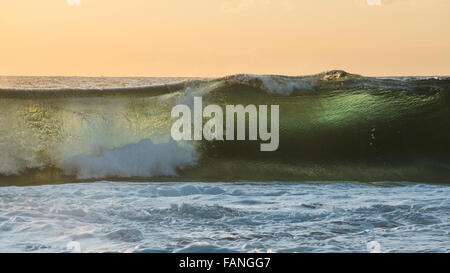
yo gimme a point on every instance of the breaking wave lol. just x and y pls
(333, 126)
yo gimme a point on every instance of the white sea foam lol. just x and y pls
(143, 159)
(286, 87)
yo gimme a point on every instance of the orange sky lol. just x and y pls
(220, 37)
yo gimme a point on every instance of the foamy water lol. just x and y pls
(225, 217)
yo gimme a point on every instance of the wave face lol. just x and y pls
(333, 126)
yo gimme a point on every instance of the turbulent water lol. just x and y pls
(334, 126)
(225, 217)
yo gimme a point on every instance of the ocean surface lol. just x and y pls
(166, 196)
(225, 217)
(333, 126)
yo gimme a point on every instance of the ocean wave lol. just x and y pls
(333, 126)
(275, 84)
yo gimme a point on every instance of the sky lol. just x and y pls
(209, 38)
